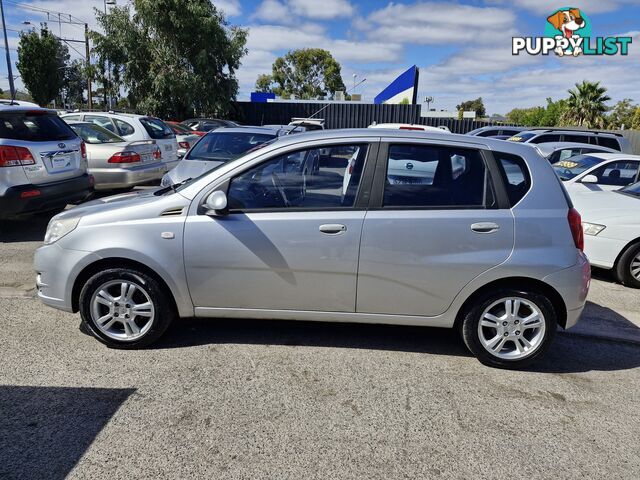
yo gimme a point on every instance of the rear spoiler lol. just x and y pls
(141, 142)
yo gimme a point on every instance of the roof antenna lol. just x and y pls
(327, 105)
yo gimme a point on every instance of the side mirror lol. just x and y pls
(216, 203)
(589, 179)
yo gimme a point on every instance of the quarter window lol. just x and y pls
(104, 122)
(436, 176)
(317, 178)
(124, 128)
(515, 175)
(609, 142)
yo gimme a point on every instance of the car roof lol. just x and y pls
(569, 131)
(612, 156)
(560, 145)
(24, 108)
(245, 129)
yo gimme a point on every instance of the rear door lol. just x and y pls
(436, 222)
(55, 148)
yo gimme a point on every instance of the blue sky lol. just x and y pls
(462, 48)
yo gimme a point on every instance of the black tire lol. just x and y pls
(474, 311)
(164, 309)
(622, 269)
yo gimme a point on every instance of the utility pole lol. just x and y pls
(6, 48)
(88, 53)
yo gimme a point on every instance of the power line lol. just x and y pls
(33, 8)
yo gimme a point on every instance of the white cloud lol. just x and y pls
(549, 6)
(230, 7)
(286, 11)
(439, 23)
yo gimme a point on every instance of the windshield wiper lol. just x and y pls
(173, 187)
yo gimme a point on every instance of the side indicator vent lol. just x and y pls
(172, 212)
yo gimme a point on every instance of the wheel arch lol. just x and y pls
(518, 282)
(632, 243)
(115, 262)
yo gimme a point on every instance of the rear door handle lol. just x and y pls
(485, 227)
(333, 228)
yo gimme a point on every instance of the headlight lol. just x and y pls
(592, 228)
(58, 228)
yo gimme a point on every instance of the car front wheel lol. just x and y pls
(125, 308)
(509, 328)
(628, 267)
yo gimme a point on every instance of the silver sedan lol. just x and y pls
(116, 163)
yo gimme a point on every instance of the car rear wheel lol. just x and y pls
(628, 267)
(125, 308)
(509, 328)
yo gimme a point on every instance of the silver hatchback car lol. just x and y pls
(368, 226)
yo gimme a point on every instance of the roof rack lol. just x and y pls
(576, 129)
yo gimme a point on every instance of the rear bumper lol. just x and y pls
(51, 196)
(573, 286)
(110, 178)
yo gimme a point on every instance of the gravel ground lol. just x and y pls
(249, 399)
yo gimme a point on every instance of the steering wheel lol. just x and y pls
(278, 186)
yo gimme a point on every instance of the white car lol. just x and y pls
(135, 127)
(611, 224)
(598, 171)
(410, 126)
(557, 151)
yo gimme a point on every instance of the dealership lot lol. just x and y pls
(245, 399)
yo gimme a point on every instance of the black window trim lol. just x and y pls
(362, 195)
(377, 192)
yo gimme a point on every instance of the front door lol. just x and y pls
(438, 226)
(290, 240)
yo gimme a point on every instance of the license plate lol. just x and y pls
(146, 157)
(60, 162)
(168, 148)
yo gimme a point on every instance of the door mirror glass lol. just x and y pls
(590, 179)
(216, 203)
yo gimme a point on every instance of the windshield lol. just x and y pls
(522, 137)
(631, 190)
(225, 146)
(156, 129)
(568, 169)
(36, 126)
(94, 134)
(180, 129)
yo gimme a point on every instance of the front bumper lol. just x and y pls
(56, 271)
(573, 286)
(112, 178)
(51, 197)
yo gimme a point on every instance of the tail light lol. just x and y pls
(157, 154)
(420, 129)
(15, 156)
(30, 194)
(184, 145)
(575, 223)
(125, 157)
(83, 150)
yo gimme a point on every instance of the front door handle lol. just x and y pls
(485, 227)
(333, 228)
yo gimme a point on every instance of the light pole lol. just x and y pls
(12, 87)
(355, 75)
(428, 101)
(107, 92)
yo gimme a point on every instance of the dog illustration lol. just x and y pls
(567, 21)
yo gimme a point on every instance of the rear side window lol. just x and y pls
(488, 133)
(437, 177)
(34, 127)
(515, 175)
(101, 121)
(157, 129)
(576, 138)
(609, 142)
(546, 138)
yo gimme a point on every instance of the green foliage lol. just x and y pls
(174, 57)
(404, 101)
(476, 105)
(635, 120)
(586, 105)
(75, 82)
(307, 73)
(41, 61)
(549, 116)
(621, 114)
(264, 83)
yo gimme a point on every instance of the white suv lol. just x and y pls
(135, 127)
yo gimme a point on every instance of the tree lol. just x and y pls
(173, 57)
(41, 62)
(264, 83)
(635, 121)
(307, 73)
(622, 114)
(553, 113)
(75, 82)
(586, 105)
(476, 105)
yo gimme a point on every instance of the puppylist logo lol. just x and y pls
(568, 33)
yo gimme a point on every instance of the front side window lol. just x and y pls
(318, 178)
(104, 122)
(618, 174)
(436, 176)
(563, 154)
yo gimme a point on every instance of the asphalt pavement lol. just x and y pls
(288, 400)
